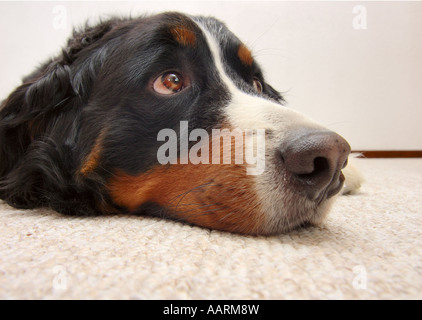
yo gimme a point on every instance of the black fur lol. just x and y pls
(99, 86)
(39, 127)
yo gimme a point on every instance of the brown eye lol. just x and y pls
(169, 83)
(257, 85)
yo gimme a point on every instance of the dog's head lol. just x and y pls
(167, 115)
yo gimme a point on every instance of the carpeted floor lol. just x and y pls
(370, 247)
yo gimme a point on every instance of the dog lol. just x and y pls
(80, 135)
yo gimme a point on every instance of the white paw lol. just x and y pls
(353, 178)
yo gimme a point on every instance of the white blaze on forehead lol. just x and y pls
(247, 111)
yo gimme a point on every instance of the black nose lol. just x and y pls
(315, 158)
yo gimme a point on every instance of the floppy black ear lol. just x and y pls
(28, 148)
(39, 123)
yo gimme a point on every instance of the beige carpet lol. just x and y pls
(369, 248)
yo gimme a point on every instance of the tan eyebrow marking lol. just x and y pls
(245, 55)
(184, 35)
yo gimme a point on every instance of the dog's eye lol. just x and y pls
(257, 85)
(169, 83)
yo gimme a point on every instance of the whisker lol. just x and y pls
(184, 194)
(253, 43)
(195, 214)
(194, 189)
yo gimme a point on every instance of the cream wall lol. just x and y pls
(365, 84)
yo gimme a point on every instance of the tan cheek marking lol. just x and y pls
(216, 196)
(184, 36)
(245, 55)
(92, 160)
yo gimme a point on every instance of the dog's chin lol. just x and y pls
(286, 207)
(296, 214)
